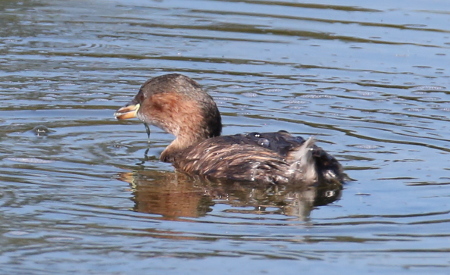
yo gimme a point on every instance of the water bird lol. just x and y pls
(178, 105)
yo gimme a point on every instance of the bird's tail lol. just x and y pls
(310, 163)
(303, 165)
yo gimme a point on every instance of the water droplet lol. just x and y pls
(264, 142)
(41, 131)
(257, 135)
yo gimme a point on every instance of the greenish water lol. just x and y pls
(83, 193)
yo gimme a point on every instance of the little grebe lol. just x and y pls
(178, 105)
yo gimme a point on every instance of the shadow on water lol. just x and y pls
(174, 195)
(368, 79)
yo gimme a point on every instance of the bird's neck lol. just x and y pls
(181, 143)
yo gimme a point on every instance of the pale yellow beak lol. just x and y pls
(127, 112)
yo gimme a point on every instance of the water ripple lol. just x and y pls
(84, 193)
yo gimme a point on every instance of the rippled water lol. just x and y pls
(82, 192)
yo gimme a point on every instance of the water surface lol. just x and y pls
(83, 193)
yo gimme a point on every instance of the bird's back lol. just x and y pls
(276, 158)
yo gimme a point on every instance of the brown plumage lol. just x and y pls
(178, 105)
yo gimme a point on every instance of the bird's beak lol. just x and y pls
(127, 112)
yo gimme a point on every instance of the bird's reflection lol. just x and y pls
(175, 195)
